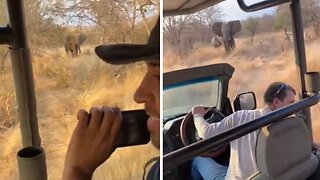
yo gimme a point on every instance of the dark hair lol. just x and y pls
(277, 90)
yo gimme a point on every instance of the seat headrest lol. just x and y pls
(282, 145)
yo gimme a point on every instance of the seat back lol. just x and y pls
(283, 151)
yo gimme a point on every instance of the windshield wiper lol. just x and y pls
(165, 119)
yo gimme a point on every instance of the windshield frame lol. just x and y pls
(222, 71)
(208, 84)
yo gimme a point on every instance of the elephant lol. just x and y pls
(73, 42)
(216, 41)
(227, 30)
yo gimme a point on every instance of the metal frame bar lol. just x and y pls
(300, 56)
(22, 73)
(6, 35)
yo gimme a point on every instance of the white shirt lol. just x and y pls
(242, 158)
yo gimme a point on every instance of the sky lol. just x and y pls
(232, 10)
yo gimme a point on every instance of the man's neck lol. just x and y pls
(267, 109)
(271, 107)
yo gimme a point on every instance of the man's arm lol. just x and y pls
(205, 129)
(76, 174)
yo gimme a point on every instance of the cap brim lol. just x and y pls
(127, 53)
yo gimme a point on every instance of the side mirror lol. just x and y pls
(245, 101)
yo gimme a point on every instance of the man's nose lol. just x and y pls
(140, 95)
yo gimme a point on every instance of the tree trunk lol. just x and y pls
(252, 37)
(144, 20)
(2, 62)
(287, 35)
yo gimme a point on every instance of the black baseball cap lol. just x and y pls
(130, 53)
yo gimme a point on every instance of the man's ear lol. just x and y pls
(276, 101)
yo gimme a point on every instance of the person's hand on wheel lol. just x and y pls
(92, 142)
(198, 111)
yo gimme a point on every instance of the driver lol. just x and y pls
(92, 142)
(242, 163)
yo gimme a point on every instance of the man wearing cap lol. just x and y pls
(92, 142)
(242, 163)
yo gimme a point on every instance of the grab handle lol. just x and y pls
(32, 163)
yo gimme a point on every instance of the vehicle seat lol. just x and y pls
(283, 151)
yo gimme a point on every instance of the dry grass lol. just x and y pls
(267, 60)
(115, 167)
(64, 85)
(7, 109)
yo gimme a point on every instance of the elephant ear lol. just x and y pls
(235, 26)
(82, 38)
(216, 28)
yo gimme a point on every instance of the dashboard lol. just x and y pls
(171, 142)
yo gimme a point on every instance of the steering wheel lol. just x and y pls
(188, 132)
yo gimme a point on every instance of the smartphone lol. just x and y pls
(133, 130)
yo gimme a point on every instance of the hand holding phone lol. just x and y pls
(133, 130)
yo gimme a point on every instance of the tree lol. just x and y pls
(111, 21)
(173, 26)
(208, 16)
(282, 17)
(108, 14)
(135, 9)
(182, 32)
(39, 23)
(3, 49)
(311, 12)
(143, 4)
(265, 24)
(200, 25)
(250, 25)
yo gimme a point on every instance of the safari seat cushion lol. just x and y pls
(308, 167)
(283, 151)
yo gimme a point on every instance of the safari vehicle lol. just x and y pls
(208, 85)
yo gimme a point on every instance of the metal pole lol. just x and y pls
(300, 56)
(23, 77)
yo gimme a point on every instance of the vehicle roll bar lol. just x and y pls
(6, 35)
(23, 76)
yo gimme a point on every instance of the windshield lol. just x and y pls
(179, 98)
